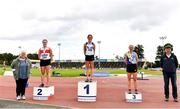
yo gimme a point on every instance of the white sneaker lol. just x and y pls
(18, 98)
(23, 97)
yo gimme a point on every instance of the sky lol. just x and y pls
(116, 23)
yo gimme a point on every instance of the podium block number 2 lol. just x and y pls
(87, 88)
(39, 92)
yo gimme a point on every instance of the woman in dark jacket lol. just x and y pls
(21, 69)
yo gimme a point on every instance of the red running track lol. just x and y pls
(110, 93)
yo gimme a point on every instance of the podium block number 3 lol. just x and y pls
(39, 92)
(87, 88)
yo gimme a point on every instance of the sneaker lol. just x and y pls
(129, 91)
(47, 86)
(18, 97)
(175, 100)
(166, 99)
(87, 80)
(136, 91)
(41, 85)
(90, 80)
(23, 97)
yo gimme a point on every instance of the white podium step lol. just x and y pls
(87, 91)
(133, 97)
(8, 73)
(43, 93)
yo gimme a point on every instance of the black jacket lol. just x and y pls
(169, 64)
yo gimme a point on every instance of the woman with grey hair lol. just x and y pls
(21, 70)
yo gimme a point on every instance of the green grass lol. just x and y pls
(64, 72)
(2, 70)
(152, 72)
(77, 72)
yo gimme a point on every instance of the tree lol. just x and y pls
(159, 53)
(139, 49)
(119, 58)
(7, 57)
(33, 56)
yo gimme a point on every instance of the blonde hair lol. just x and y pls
(131, 46)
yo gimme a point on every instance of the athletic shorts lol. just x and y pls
(45, 62)
(131, 68)
(89, 58)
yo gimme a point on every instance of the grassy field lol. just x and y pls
(77, 72)
(2, 70)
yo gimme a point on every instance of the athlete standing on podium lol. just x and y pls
(89, 52)
(131, 60)
(45, 55)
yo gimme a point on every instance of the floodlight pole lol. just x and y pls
(163, 38)
(99, 64)
(59, 45)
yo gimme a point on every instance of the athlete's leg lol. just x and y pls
(87, 70)
(48, 74)
(129, 82)
(42, 75)
(92, 69)
(135, 81)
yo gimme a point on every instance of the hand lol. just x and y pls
(161, 69)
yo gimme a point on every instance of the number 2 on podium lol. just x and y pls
(39, 92)
(87, 88)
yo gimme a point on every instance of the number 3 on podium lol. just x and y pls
(87, 88)
(133, 96)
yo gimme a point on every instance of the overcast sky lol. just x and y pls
(117, 23)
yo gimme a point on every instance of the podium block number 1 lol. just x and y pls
(87, 88)
(87, 91)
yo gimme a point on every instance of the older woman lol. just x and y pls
(21, 70)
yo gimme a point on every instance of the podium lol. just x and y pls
(87, 91)
(8, 73)
(43, 93)
(133, 98)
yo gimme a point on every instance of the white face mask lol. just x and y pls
(21, 59)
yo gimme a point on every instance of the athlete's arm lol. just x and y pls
(137, 59)
(51, 53)
(94, 49)
(39, 54)
(125, 56)
(84, 49)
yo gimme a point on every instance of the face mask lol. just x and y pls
(21, 59)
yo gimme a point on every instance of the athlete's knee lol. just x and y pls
(87, 68)
(129, 79)
(42, 74)
(135, 79)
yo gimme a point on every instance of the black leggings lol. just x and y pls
(21, 86)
